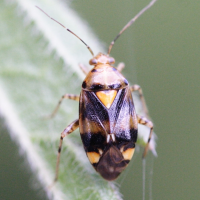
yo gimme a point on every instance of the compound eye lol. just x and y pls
(93, 61)
(111, 60)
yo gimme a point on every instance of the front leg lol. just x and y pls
(69, 129)
(120, 66)
(66, 96)
(84, 69)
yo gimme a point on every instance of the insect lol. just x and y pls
(107, 121)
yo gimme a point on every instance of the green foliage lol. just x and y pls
(38, 64)
(33, 76)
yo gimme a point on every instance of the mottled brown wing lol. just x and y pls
(93, 120)
(96, 121)
(123, 118)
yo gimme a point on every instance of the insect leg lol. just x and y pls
(139, 89)
(120, 66)
(148, 123)
(69, 129)
(84, 69)
(66, 96)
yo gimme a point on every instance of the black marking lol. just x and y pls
(59, 149)
(126, 82)
(95, 165)
(130, 145)
(127, 135)
(93, 141)
(127, 161)
(97, 86)
(84, 85)
(114, 69)
(114, 86)
(94, 70)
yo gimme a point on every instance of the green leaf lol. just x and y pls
(38, 64)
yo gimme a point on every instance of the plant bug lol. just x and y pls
(107, 120)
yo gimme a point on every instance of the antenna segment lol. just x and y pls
(130, 23)
(67, 30)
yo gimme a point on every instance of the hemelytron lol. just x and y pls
(107, 120)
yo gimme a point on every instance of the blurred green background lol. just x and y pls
(161, 53)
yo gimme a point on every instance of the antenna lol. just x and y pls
(68, 30)
(130, 23)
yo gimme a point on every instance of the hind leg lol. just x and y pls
(148, 123)
(139, 89)
(69, 129)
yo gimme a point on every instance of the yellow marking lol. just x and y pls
(107, 97)
(93, 157)
(128, 154)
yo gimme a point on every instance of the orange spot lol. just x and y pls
(107, 97)
(128, 154)
(93, 157)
